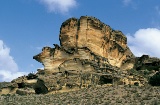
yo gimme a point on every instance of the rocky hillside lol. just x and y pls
(90, 54)
(104, 95)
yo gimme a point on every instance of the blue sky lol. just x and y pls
(28, 25)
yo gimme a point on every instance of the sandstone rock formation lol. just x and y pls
(91, 53)
(99, 38)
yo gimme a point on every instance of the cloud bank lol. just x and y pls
(145, 41)
(62, 6)
(8, 67)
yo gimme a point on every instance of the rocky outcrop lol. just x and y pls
(90, 54)
(101, 39)
(146, 62)
(87, 38)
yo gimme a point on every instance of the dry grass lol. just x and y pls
(121, 95)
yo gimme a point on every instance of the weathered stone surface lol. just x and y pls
(100, 38)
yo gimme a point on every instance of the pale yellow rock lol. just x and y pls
(99, 38)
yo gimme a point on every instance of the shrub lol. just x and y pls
(155, 79)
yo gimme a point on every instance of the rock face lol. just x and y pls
(101, 39)
(91, 53)
(86, 38)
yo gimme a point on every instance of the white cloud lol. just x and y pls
(7, 75)
(8, 67)
(145, 41)
(61, 6)
(127, 2)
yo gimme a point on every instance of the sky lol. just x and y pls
(28, 25)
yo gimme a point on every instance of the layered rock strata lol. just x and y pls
(101, 39)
